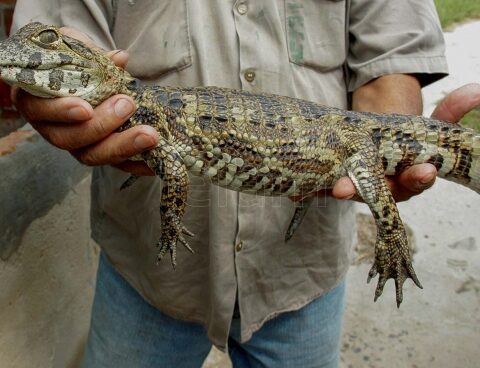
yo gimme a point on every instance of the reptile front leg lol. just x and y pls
(168, 164)
(392, 253)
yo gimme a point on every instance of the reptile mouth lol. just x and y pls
(48, 66)
(51, 82)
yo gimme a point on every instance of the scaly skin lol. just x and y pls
(253, 143)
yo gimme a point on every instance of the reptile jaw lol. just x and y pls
(52, 82)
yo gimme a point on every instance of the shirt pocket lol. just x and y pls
(315, 31)
(155, 33)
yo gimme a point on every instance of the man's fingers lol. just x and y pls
(418, 177)
(412, 181)
(344, 189)
(457, 103)
(109, 116)
(118, 147)
(62, 110)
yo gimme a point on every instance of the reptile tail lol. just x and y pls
(464, 165)
(454, 150)
(457, 156)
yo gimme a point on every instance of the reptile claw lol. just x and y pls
(168, 242)
(182, 240)
(127, 183)
(372, 273)
(379, 290)
(413, 276)
(399, 291)
(187, 232)
(163, 250)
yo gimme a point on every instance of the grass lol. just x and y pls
(472, 119)
(457, 11)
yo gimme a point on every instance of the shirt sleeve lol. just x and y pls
(93, 17)
(392, 36)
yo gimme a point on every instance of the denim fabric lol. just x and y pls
(128, 332)
(306, 338)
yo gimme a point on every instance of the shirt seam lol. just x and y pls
(398, 57)
(418, 65)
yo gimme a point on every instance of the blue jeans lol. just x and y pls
(128, 332)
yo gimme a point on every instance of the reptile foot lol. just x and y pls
(168, 242)
(399, 270)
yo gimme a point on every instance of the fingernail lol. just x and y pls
(346, 197)
(78, 113)
(425, 182)
(123, 108)
(427, 179)
(144, 141)
(117, 52)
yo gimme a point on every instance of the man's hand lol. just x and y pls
(90, 135)
(417, 178)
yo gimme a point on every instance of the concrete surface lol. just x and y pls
(47, 288)
(32, 184)
(440, 325)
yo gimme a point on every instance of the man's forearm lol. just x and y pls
(395, 93)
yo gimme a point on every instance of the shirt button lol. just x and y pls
(239, 246)
(242, 8)
(249, 75)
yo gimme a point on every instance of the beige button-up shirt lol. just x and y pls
(288, 47)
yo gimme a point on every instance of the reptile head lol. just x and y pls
(46, 63)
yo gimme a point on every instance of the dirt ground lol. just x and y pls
(438, 326)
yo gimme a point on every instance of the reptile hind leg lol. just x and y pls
(392, 253)
(168, 165)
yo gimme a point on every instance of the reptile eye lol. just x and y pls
(48, 36)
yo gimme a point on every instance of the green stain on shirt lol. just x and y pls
(296, 35)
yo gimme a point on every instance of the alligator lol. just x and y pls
(254, 143)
